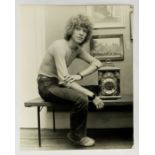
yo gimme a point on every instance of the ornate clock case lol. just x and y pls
(109, 82)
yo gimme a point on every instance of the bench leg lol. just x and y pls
(53, 118)
(39, 133)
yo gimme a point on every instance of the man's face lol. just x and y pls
(79, 34)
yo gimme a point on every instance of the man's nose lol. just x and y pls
(81, 32)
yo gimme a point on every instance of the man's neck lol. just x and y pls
(73, 45)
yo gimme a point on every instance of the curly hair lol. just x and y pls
(79, 20)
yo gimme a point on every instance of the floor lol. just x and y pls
(105, 139)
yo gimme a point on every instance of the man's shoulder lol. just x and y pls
(57, 46)
(59, 43)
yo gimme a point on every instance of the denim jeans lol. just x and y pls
(50, 90)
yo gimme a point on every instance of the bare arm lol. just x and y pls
(96, 100)
(81, 89)
(59, 53)
(94, 63)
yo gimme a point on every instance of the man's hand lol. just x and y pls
(72, 78)
(98, 103)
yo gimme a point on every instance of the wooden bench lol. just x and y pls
(123, 104)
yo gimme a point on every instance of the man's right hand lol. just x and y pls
(98, 102)
(72, 78)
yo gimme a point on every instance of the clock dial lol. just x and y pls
(109, 82)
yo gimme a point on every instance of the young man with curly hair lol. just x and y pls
(56, 84)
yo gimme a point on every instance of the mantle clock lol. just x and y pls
(109, 82)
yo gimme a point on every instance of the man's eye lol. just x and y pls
(78, 28)
(84, 30)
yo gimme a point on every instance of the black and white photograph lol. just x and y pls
(75, 77)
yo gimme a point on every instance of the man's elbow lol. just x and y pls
(97, 63)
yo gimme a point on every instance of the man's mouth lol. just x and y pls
(81, 38)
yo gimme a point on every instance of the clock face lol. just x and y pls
(109, 86)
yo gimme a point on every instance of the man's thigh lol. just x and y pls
(66, 93)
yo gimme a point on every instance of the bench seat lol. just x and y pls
(124, 103)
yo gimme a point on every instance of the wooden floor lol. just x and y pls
(105, 139)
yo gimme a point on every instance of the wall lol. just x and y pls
(47, 23)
